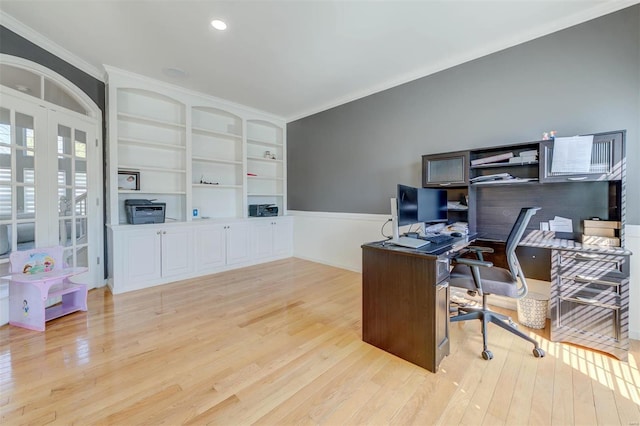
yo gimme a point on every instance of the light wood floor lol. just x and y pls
(281, 344)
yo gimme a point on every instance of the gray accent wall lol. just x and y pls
(581, 80)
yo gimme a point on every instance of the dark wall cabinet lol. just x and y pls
(607, 153)
(445, 170)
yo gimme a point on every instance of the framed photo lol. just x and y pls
(128, 180)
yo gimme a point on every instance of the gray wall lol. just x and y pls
(584, 79)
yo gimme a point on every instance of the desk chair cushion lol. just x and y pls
(497, 281)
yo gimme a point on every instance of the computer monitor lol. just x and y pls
(420, 205)
(432, 205)
(407, 199)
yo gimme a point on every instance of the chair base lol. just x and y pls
(503, 321)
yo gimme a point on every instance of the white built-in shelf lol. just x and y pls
(150, 144)
(265, 143)
(215, 160)
(202, 131)
(264, 194)
(148, 120)
(151, 169)
(131, 191)
(264, 160)
(264, 178)
(211, 186)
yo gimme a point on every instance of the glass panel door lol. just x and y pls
(49, 170)
(22, 131)
(78, 220)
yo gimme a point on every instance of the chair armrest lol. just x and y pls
(473, 262)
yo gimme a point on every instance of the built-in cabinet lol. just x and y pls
(207, 160)
(271, 236)
(149, 254)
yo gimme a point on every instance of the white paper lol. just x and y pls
(561, 224)
(572, 154)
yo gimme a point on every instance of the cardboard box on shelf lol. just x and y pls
(612, 224)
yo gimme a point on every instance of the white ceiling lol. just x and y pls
(288, 58)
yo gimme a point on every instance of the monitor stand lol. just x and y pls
(396, 238)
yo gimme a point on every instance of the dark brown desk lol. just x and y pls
(405, 301)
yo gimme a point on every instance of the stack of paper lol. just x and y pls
(561, 224)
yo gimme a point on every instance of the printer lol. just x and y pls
(144, 211)
(262, 210)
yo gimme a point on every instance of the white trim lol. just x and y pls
(346, 216)
(536, 32)
(87, 103)
(43, 42)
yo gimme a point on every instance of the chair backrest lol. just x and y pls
(37, 260)
(512, 243)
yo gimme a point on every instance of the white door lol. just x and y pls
(50, 183)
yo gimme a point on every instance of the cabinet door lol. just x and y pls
(143, 255)
(210, 246)
(237, 243)
(177, 252)
(262, 237)
(607, 153)
(282, 237)
(450, 169)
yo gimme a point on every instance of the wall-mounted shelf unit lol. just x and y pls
(191, 151)
(266, 172)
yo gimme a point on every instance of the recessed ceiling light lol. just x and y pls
(174, 72)
(218, 25)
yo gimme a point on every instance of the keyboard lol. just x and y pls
(438, 238)
(409, 242)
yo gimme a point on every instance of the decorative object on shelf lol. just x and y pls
(195, 212)
(128, 180)
(549, 135)
(269, 155)
(203, 181)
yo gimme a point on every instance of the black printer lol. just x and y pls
(144, 211)
(260, 210)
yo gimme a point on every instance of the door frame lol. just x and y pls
(94, 116)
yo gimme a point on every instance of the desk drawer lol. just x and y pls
(571, 263)
(593, 323)
(597, 293)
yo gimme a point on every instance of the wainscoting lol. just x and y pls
(335, 239)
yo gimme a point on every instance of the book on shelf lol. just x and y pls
(492, 159)
(522, 160)
(497, 176)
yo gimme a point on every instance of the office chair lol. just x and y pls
(481, 277)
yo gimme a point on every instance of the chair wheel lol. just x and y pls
(538, 352)
(487, 355)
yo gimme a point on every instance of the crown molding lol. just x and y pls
(542, 30)
(38, 39)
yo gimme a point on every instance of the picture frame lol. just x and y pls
(128, 180)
